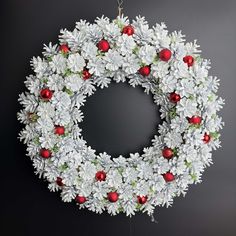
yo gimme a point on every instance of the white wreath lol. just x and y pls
(92, 55)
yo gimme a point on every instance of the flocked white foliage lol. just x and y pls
(140, 174)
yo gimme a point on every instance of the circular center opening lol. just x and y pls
(120, 120)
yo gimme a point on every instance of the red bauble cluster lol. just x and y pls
(189, 60)
(59, 130)
(142, 199)
(80, 199)
(167, 153)
(168, 177)
(59, 181)
(100, 176)
(103, 45)
(165, 54)
(113, 196)
(45, 153)
(174, 97)
(145, 70)
(195, 120)
(129, 30)
(86, 74)
(46, 94)
(64, 48)
(206, 138)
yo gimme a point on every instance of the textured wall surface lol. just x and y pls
(119, 120)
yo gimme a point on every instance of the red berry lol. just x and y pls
(165, 54)
(113, 196)
(206, 138)
(168, 177)
(64, 48)
(174, 97)
(86, 74)
(167, 153)
(80, 199)
(145, 70)
(129, 30)
(59, 130)
(103, 45)
(46, 94)
(101, 176)
(195, 120)
(189, 60)
(142, 199)
(59, 181)
(45, 153)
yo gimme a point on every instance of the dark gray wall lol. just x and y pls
(28, 208)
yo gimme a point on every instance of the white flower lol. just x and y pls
(58, 64)
(113, 60)
(33, 84)
(186, 107)
(160, 36)
(145, 170)
(75, 62)
(48, 140)
(173, 139)
(55, 82)
(131, 64)
(185, 87)
(89, 50)
(74, 82)
(45, 110)
(62, 117)
(114, 179)
(130, 174)
(111, 31)
(168, 84)
(125, 44)
(147, 54)
(39, 65)
(61, 101)
(160, 69)
(179, 69)
(96, 66)
(179, 124)
(88, 171)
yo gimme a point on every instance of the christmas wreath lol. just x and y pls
(92, 55)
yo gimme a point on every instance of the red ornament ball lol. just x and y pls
(80, 199)
(145, 70)
(45, 153)
(64, 48)
(101, 176)
(165, 54)
(195, 120)
(103, 45)
(142, 199)
(113, 196)
(86, 74)
(174, 97)
(167, 153)
(189, 60)
(129, 30)
(168, 177)
(206, 138)
(46, 94)
(59, 181)
(59, 130)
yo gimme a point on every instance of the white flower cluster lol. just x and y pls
(142, 181)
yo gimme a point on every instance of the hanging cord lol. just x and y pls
(120, 8)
